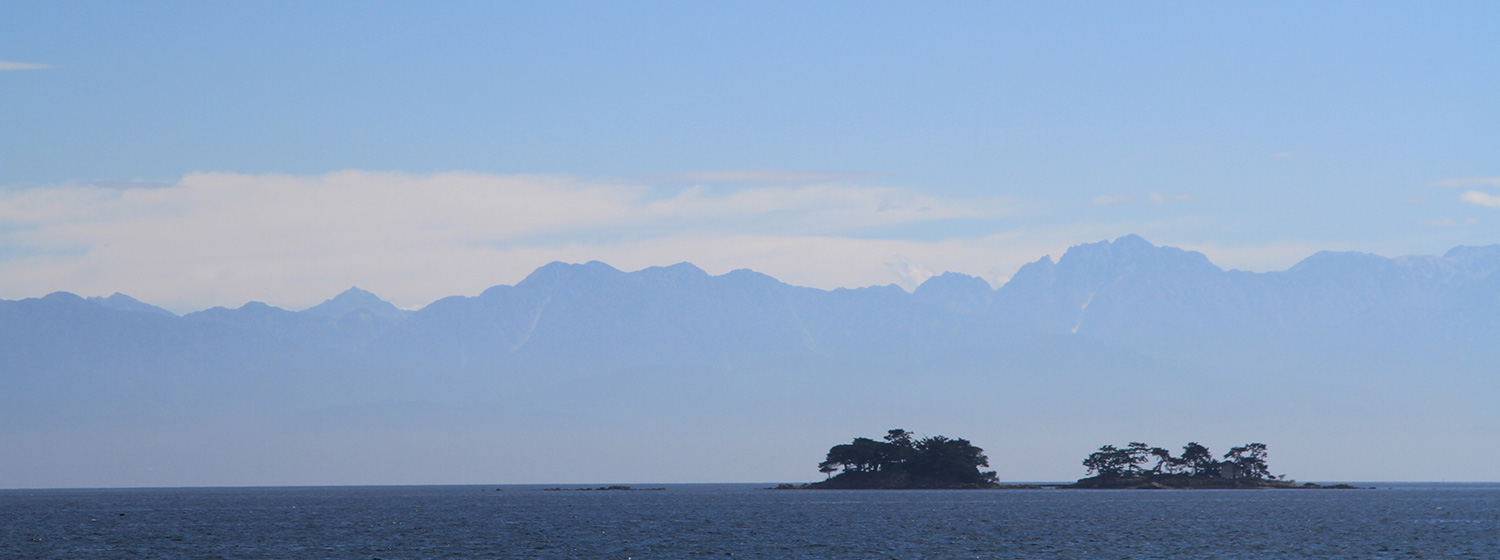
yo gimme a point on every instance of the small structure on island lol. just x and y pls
(1230, 471)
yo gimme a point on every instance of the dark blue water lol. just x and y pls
(696, 521)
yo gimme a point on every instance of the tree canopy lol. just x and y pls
(904, 460)
(1243, 463)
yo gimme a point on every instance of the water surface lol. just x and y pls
(746, 521)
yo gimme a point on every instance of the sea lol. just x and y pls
(749, 521)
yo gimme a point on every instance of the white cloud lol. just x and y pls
(1111, 199)
(1467, 182)
(11, 65)
(758, 177)
(292, 241)
(223, 239)
(1478, 198)
(909, 273)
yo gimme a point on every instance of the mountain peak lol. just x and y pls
(257, 306)
(1487, 252)
(1130, 251)
(122, 302)
(1322, 260)
(356, 299)
(355, 292)
(1132, 241)
(557, 272)
(958, 292)
(683, 271)
(69, 297)
(950, 281)
(1475, 261)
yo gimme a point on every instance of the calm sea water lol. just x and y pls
(745, 521)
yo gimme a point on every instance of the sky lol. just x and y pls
(203, 154)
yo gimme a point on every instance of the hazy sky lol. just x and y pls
(197, 154)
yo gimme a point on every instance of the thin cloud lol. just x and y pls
(909, 272)
(1449, 222)
(1153, 198)
(1162, 198)
(758, 177)
(224, 238)
(1467, 182)
(12, 65)
(1258, 257)
(129, 184)
(1111, 199)
(1478, 198)
(293, 241)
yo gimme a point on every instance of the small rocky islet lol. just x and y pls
(614, 488)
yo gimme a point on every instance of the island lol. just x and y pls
(904, 461)
(1124, 468)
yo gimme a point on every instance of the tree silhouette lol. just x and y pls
(905, 461)
(1135, 456)
(1102, 462)
(1163, 460)
(864, 455)
(1251, 460)
(1196, 460)
(899, 437)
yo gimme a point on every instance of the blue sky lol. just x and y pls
(196, 154)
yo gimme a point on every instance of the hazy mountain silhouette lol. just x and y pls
(349, 321)
(355, 300)
(123, 302)
(1353, 341)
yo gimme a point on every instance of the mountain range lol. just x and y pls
(670, 373)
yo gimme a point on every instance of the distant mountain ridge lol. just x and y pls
(1106, 318)
(1103, 291)
(123, 302)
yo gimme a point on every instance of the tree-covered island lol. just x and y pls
(1125, 468)
(904, 461)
